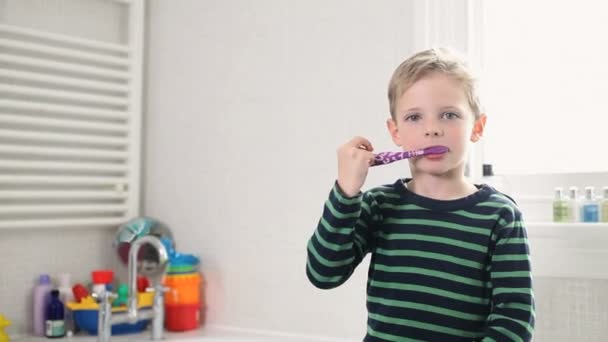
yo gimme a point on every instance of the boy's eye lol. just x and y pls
(412, 117)
(450, 115)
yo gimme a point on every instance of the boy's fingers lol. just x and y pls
(361, 143)
(370, 158)
(363, 154)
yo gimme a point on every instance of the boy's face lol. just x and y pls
(435, 111)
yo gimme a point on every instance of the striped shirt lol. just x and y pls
(455, 270)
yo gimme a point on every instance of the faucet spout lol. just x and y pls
(163, 258)
(151, 265)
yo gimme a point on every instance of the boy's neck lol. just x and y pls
(443, 188)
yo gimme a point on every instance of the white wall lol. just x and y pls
(247, 102)
(544, 84)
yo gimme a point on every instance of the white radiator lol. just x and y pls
(70, 127)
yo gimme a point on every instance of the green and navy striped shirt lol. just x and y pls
(456, 270)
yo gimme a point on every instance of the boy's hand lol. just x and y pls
(354, 159)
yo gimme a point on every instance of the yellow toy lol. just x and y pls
(3, 324)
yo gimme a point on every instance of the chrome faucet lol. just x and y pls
(157, 269)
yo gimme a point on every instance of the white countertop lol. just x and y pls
(205, 334)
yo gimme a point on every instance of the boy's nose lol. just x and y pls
(433, 132)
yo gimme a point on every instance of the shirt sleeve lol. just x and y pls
(342, 239)
(512, 316)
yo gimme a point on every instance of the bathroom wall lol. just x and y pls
(246, 104)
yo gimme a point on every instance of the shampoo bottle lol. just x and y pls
(41, 297)
(573, 204)
(590, 209)
(66, 295)
(55, 324)
(560, 206)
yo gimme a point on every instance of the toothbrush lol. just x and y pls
(383, 158)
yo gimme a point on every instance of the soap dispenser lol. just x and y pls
(574, 208)
(560, 206)
(590, 209)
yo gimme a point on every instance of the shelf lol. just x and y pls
(570, 230)
(593, 235)
(567, 224)
(577, 250)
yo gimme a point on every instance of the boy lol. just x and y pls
(450, 259)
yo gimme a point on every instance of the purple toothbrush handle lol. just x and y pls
(383, 158)
(389, 157)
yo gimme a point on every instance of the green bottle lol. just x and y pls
(560, 206)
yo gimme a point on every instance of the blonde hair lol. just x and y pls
(423, 63)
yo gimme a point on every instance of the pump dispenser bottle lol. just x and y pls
(590, 209)
(560, 206)
(573, 204)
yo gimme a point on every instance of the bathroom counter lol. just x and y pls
(569, 250)
(206, 334)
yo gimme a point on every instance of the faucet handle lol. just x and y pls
(110, 295)
(158, 288)
(104, 296)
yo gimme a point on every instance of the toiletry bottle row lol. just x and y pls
(573, 208)
(51, 318)
(49, 315)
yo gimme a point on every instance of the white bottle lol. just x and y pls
(66, 295)
(98, 289)
(573, 204)
(64, 282)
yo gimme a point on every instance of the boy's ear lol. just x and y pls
(393, 130)
(478, 127)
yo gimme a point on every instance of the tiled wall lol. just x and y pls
(571, 310)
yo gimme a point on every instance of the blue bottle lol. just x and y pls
(590, 210)
(55, 324)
